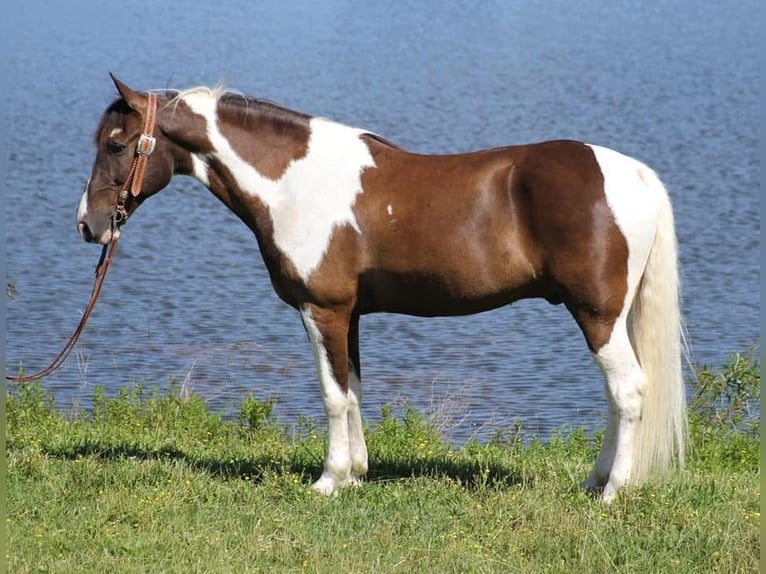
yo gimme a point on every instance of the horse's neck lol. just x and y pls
(248, 146)
(257, 150)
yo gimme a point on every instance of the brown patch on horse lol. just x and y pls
(283, 135)
(184, 125)
(586, 253)
(336, 281)
(420, 216)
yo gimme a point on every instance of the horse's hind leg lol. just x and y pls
(599, 476)
(624, 390)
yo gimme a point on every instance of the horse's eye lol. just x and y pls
(114, 147)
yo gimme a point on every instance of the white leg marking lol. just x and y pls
(337, 467)
(356, 444)
(600, 473)
(625, 384)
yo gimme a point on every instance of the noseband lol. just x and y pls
(132, 185)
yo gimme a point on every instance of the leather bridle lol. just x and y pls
(144, 148)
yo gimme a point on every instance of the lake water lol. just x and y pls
(673, 83)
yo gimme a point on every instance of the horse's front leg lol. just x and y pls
(328, 330)
(357, 446)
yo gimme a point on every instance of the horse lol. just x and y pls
(348, 223)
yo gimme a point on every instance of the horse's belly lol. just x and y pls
(428, 295)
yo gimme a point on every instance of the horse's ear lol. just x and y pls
(133, 99)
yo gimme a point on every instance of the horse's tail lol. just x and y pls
(656, 331)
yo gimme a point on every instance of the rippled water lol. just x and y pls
(676, 84)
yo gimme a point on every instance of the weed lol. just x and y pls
(729, 400)
(255, 414)
(724, 415)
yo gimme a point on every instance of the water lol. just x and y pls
(675, 84)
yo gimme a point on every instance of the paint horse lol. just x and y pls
(349, 224)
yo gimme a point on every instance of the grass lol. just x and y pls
(151, 481)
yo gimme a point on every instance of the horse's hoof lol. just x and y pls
(593, 485)
(325, 486)
(607, 496)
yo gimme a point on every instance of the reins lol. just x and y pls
(133, 183)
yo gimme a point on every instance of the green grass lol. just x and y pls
(149, 482)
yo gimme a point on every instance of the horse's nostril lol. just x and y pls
(84, 230)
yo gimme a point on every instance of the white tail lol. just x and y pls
(656, 331)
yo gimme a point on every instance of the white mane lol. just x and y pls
(214, 93)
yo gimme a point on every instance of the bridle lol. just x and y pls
(144, 148)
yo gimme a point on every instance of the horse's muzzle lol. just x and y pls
(88, 234)
(85, 232)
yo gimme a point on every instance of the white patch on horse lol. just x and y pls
(634, 205)
(115, 131)
(356, 445)
(625, 387)
(314, 195)
(199, 169)
(390, 209)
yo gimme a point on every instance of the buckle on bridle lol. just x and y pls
(145, 145)
(120, 214)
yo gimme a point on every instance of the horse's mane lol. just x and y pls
(236, 99)
(215, 92)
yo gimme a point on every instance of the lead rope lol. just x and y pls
(104, 262)
(144, 149)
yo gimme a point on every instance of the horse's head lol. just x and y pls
(118, 139)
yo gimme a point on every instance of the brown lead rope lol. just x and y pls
(103, 266)
(144, 149)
